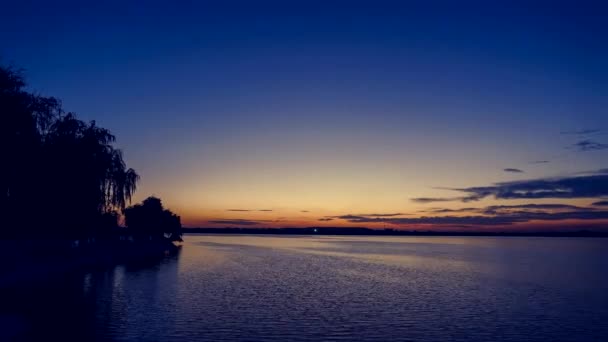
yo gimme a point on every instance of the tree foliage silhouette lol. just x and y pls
(61, 176)
(150, 219)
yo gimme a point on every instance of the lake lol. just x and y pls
(299, 288)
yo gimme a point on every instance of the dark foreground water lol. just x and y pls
(330, 288)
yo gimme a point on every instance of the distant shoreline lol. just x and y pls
(384, 232)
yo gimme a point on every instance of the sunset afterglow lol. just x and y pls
(234, 122)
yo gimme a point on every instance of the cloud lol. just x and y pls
(540, 162)
(581, 132)
(501, 209)
(587, 186)
(348, 216)
(326, 219)
(571, 187)
(237, 222)
(600, 203)
(509, 169)
(433, 199)
(589, 173)
(382, 215)
(424, 200)
(590, 145)
(586, 144)
(436, 220)
(304, 211)
(537, 206)
(493, 216)
(246, 210)
(447, 210)
(495, 209)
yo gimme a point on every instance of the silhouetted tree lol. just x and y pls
(59, 174)
(150, 219)
(20, 146)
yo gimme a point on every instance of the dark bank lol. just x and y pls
(66, 191)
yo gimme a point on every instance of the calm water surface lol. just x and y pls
(288, 288)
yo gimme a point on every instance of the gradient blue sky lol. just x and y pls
(318, 109)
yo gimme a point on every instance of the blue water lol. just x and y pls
(287, 288)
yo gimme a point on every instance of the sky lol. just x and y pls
(440, 115)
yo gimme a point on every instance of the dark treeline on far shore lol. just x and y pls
(62, 179)
(383, 232)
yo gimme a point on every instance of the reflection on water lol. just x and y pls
(332, 288)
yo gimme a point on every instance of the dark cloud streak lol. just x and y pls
(434, 199)
(588, 186)
(247, 210)
(513, 170)
(493, 209)
(236, 222)
(589, 145)
(581, 132)
(383, 215)
(492, 218)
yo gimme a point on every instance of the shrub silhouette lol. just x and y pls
(150, 219)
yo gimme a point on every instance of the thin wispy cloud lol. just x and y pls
(237, 222)
(540, 162)
(493, 216)
(495, 209)
(589, 172)
(435, 220)
(448, 210)
(347, 216)
(326, 219)
(383, 215)
(433, 199)
(590, 145)
(513, 170)
(581, 132)
(247, 210)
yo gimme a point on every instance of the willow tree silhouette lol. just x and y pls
(60, 176)
(150, 219)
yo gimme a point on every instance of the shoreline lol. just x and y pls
(31, 260)
(355, 231)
